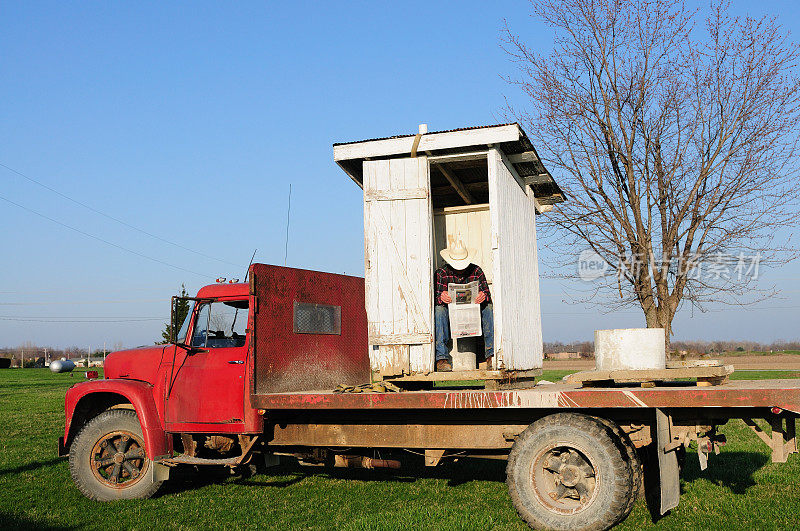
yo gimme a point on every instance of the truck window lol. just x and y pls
(220, 324)
(181, 337)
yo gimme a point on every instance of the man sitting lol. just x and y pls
(459, 269)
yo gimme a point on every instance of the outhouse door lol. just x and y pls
(517, 314)
(398, 269)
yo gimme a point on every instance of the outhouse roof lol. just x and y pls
(510, 138)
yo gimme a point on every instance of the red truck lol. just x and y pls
(253, 373)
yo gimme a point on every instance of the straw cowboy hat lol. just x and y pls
(457, 255)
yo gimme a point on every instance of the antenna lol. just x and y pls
(248, 265)
(288, 212)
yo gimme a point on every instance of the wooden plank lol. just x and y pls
(682, 364)
(477, 374)
(635, 376)
(527, 156)
(457, 157)
(401, 339)
(753, 425)
(403, 311)
(791, 435)
(497, 262)
(429, 142)
(541, 178)
(480, 207)
(779, 453)
(395, 195)
(456, 183)
(540, 208)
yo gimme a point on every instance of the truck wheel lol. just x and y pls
(107, 459)
(634, 462)
(568, 471)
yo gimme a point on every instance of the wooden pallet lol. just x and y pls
(492, 379)
(704, 374)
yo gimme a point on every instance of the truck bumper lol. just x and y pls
(62, 450)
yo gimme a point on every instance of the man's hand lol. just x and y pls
(480, 298)
(445, 297)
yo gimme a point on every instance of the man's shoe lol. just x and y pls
(486, 365)
(443, 366)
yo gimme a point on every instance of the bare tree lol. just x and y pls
(674, 142)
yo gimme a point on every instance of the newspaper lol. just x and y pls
(465, 314)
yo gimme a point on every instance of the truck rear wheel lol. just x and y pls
(568, 471)
(107, 459)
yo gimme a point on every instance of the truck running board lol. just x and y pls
(186, 459)
(190, 460)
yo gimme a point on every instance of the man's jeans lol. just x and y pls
(442, 320)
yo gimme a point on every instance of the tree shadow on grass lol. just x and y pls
(30, 466)
(732, 470)
(13, 521)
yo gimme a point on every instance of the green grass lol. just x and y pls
(741, 489)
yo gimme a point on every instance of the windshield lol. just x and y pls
(220, 324)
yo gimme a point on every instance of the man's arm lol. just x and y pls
(439, 286)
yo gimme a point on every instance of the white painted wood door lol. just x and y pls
(517, 312)
(398, 247)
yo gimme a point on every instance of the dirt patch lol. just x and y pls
(778, 362)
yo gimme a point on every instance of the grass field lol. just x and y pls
(741, 489)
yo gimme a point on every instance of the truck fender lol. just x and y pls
(138, 394)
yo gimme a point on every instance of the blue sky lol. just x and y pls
(189, 121)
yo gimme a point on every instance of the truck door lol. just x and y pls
(208, 385)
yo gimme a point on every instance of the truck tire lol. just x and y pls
(107, 458)
(634, 462)
(569, 471)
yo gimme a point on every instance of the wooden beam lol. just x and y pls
(541, 208)
(457, 184)
(430, 142)
(478, 187)
(401, 339)
(392, 195)
(528, 156)
(538, 179)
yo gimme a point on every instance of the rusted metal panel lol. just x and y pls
(464, 436)
(286, 360)
(781, 393)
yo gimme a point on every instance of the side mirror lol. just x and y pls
(173, 318)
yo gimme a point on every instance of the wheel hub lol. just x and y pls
(564, 479)
(118, 459)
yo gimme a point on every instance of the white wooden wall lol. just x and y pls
(398, 248)
(473, 225)
(517, 313)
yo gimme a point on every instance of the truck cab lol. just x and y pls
(190, 400)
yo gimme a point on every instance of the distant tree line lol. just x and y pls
(31, 352)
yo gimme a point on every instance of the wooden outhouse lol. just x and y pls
(481, 185)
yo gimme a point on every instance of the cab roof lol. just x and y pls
(238, 289)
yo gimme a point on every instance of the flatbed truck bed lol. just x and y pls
(747, 394)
